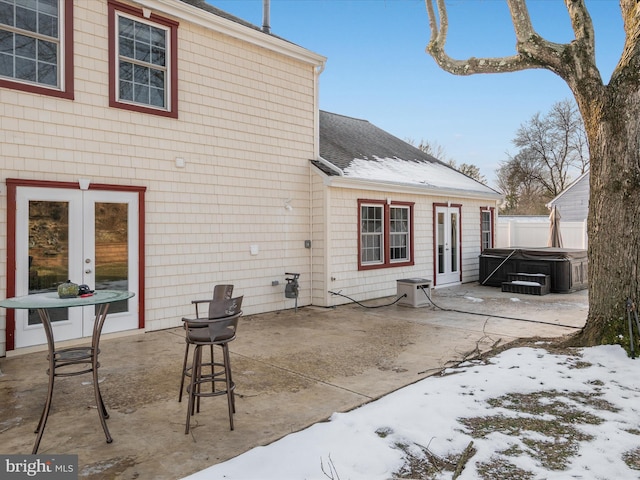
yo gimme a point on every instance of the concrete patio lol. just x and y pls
(292, 369)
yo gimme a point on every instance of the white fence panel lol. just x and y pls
(535, 233)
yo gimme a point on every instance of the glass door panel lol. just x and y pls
(447, 241)
(111, 253)
(48, 252)
(112, 250)
(453, 240)
(440, 239)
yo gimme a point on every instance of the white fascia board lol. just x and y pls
(222, 25)
(380, 185)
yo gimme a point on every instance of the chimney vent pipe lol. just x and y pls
(266, 16)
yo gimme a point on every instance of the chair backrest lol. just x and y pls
(225, 307)
(223, 318)
(222, 292)
(223, 329)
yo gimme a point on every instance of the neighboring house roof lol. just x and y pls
(569, 188)
(357, 149)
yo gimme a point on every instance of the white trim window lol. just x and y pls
(399, 220)
(385, 234)
(486, 229)
(31, 42)
(143, 62)
(372, 234)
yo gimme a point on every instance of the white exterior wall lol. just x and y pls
(246, 132)
(320, 239)
(573, 203)
(342, 274)
(471, 240)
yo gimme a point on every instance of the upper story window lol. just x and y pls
(36, 46)
(386, 234)
(142, 63)
(486, 228)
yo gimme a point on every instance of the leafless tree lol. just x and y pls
(611, 115)
(438, 151)
(432, 148)
(470, 170)
(552, 153)
(555, 143)
(517, 178)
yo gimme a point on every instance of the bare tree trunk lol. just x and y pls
(611, 115)
(613, 128)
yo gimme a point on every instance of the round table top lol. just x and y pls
(52, 300)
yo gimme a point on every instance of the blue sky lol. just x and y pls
(377, 68)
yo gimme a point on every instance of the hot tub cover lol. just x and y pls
(529, 253)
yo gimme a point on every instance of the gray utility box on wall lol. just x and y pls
(417, 291)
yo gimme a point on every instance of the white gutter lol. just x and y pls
(330, 165)
(378, 185)
(222, 25)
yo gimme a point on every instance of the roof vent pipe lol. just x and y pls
(266, 14)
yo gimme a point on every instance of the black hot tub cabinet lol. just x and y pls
(567, 267)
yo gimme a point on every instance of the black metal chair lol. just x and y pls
(218, 329)
(220, 292)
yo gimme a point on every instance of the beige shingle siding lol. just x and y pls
(246, 132)
(342, 261)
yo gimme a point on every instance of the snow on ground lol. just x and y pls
(362, 444)
(474, 299)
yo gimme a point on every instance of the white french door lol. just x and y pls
(86, 236)
(447, 241)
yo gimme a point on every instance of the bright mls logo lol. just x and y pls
(51, 467)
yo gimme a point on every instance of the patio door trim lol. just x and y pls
(12, 187)
(435, 246)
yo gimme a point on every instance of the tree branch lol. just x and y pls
(439, 24)
(628, 68)
(569, 61)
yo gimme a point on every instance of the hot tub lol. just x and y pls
(567, 267)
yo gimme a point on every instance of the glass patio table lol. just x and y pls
(70, 361)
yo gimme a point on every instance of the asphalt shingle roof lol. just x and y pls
(343, 139)
(363, 151)
(207, 7)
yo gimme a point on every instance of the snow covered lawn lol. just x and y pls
(526, 413)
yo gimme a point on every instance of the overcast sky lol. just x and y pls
(377, 68)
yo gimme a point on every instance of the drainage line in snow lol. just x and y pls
(495, 316)
(368, 306)
(454, 310)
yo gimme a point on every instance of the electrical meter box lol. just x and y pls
(417, 291)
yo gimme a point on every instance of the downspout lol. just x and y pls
(266, 16)
(317, 70)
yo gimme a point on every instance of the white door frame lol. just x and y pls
(447, 239)
(81, 256)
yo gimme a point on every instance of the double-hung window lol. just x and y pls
(142, 61)
(486, 228)
(36, 46)
(386, 234)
